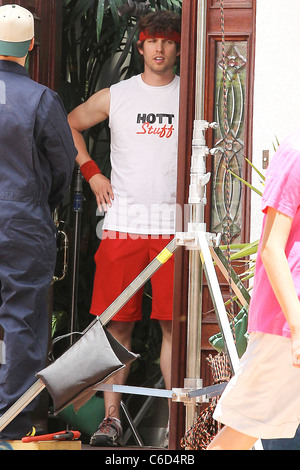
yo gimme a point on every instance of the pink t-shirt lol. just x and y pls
(282, 192)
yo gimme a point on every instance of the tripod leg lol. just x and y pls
(218, 302)
(217, 299)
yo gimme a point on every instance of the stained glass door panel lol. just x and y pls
(234, 110)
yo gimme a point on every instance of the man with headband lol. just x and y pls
(140, 198)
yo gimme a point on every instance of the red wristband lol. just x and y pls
(89, 169)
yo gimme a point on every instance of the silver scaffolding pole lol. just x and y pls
(201, 245)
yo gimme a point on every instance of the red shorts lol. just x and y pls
(119, 260)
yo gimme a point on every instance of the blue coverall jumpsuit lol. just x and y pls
(37, 156)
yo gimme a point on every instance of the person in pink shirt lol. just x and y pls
(262, 400)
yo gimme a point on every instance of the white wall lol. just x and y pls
(276, 85)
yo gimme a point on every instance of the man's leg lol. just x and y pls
(26, 272)
(119, 260)
(162, 308)
(122, 332)
(166, 351)
(109, 433)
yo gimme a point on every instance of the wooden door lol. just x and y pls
(45, 59)
(240, 47)
(239, 67)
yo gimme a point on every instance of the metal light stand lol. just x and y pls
(196, 239)
(77, 208)
(200, 243)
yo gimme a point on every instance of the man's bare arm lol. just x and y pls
(85, 116)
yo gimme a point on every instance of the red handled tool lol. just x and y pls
(56, 436)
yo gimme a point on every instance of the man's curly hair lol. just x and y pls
(165, 21)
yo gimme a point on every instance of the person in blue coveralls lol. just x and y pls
(37, 157)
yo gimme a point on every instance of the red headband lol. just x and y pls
(173, 36)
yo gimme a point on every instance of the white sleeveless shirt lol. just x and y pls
(144, 138)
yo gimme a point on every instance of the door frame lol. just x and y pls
(45, 59)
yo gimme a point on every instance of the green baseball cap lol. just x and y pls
(16, 30)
